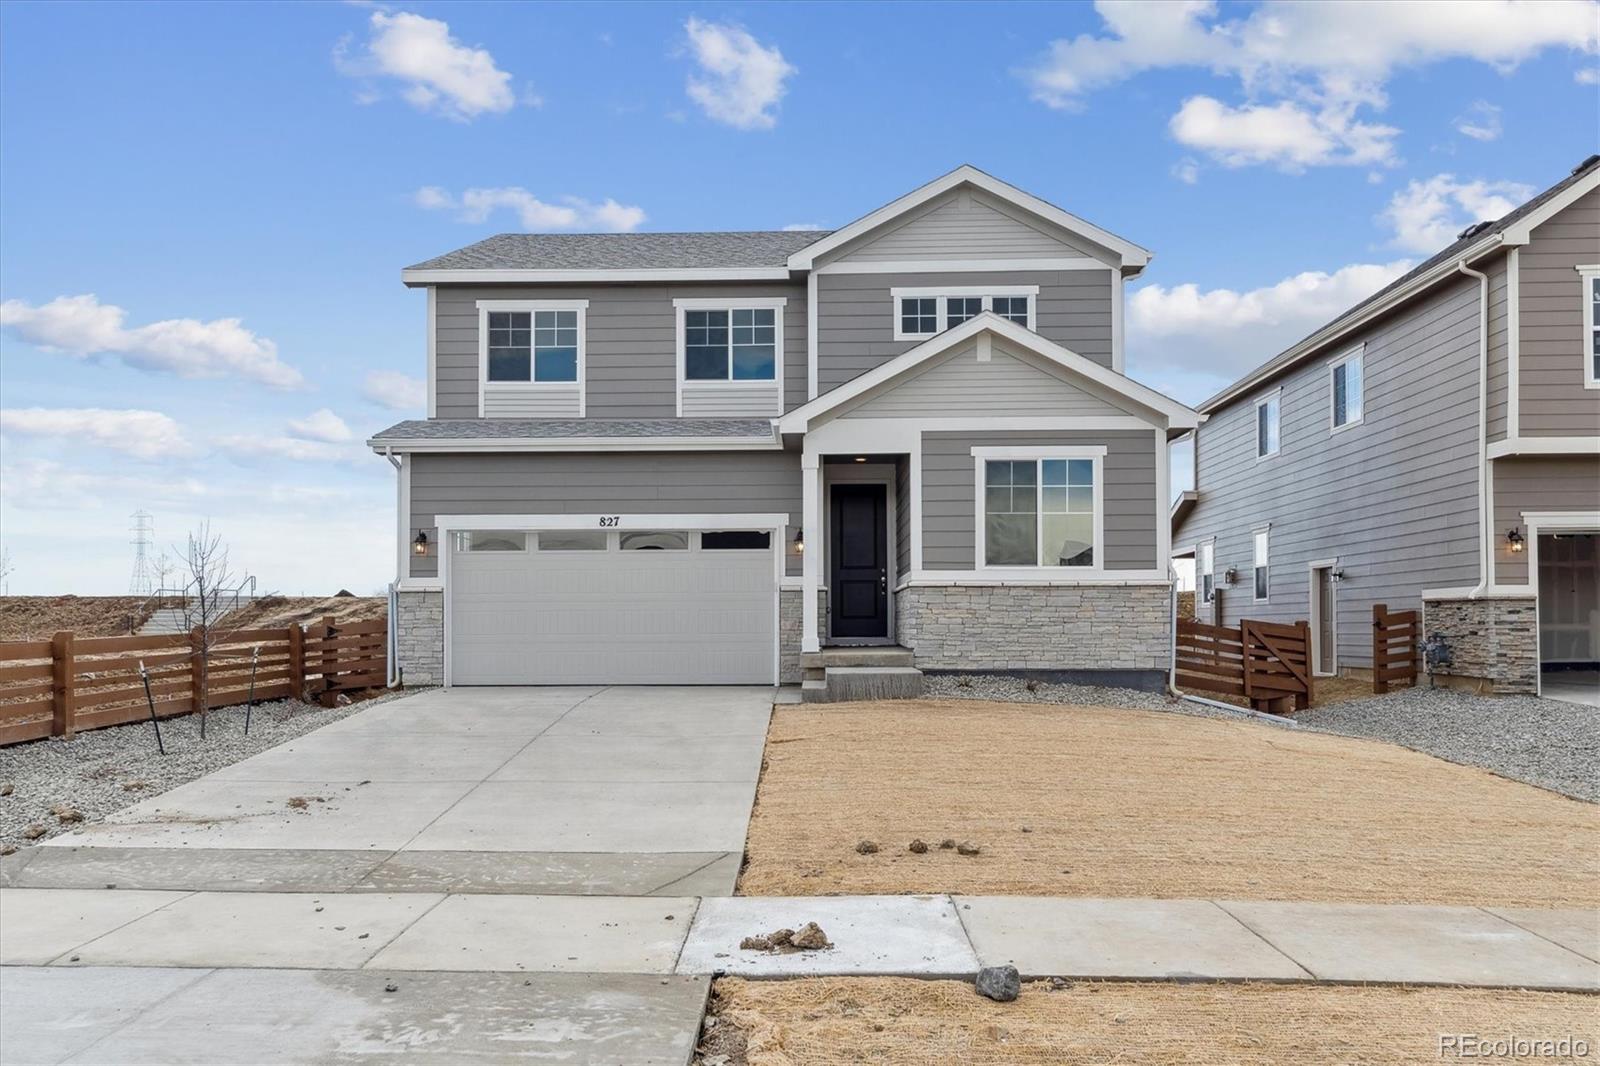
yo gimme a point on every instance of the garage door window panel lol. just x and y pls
(654, 540)
(576, 540)
(736, 540)
(491, 541)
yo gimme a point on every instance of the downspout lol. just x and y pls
(1485, 530)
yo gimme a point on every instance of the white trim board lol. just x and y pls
(1321, 669)
(1545, 446)
(960, 266)
(576, 444)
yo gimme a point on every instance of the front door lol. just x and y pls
(1322, 620)
(858, 580)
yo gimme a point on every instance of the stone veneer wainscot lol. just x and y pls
(419, 636)
(1493, 640)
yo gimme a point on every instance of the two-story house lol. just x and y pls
(705, 457)
(1437, 446)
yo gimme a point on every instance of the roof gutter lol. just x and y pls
(1485, 524)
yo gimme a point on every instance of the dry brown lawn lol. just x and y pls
(1084, 801)
(820, 1021)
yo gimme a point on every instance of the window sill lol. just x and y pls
(493, 386)
(1347, 426)
(724, 383)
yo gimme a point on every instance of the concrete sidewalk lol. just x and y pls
(920, 936)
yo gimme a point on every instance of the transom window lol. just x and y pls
(1348, 399)
(1591, 325)
(925, 312)
(1267, 425)
(1260, 561)
(529, 346)
(1039, 512)
(732, 344)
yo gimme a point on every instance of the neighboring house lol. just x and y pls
(697, 457)
(1437, 446)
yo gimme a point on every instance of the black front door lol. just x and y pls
(858, 582)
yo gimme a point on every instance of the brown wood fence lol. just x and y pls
(1265, 663)
(1394, 646)
(57, 687)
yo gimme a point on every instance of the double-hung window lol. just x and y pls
(1205, 574)
(1260, 548)
(1040, 510)
(1590, 275)
(533, 346)
(1348, 400)
(921, 313)
(731, 344)
(1268, 430)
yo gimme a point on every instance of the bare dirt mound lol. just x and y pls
(271, 612)
(41, 617)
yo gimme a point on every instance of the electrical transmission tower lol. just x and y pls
(144, 537)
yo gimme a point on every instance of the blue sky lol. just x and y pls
(245, 181)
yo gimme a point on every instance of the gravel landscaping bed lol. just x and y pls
(104, 770)
(1547, 743)
(1008, 689)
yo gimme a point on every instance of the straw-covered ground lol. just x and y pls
(826, 1021)
(1094, 801)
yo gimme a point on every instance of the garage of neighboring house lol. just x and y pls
(612, 599)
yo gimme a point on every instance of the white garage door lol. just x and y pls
(643, 607)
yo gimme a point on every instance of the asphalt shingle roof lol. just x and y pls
(522, 428)
(626, 251)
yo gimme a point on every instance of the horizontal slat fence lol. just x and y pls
(1265, 663)
(1394, 646)
(57, 687)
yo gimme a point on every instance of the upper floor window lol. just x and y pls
(1041, 509)
(1591, 325)
(1348, 389)
(531, 342)
(922, 313)
(1268, 410)
(738, 340)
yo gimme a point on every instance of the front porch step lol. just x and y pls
(868, 655)
(844, 684)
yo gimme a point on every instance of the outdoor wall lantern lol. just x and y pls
(1514, 540)
(799, 540)
(420, 545)
(1229, 576)
(1337, 575)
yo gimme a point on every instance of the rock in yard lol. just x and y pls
(918, 847)
(964, 848)
(66, 814)
(34, 832)
(947, 843)
(9, 849)
(781, 938)
(755, 943)
(5, 789)
(866, 847)
(811, 938)
(1000, 983)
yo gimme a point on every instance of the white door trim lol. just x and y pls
(1318, 668)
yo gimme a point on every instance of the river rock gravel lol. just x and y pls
(1007, 689)
(1548, 743)
(104, 770)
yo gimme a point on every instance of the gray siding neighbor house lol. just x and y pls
(1437, 446)
(681, 458)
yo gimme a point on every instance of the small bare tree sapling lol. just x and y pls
(204, 606)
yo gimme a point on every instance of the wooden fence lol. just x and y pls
(1394, 646)
(58, 687)
(1265, 663)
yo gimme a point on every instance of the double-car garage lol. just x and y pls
(612, 599)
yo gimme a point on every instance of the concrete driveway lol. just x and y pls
(601, 791)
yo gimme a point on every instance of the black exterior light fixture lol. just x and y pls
(420, 545)
(799, 540)
(1515, 540)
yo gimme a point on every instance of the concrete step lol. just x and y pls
(874, 655)
(851, 683)
(813, 690)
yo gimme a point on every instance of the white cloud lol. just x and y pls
(141, 434)
(258, 450)
(802, 227)
(83, 326)
(1285, 134)
(1587, 76)
(321, 425)
(1481, 122)
(44, 484)
(1428, 214)
(1185, 328)
(438, 73)
(740, 80)
(1187, 170)
(1329, 59)
(394, 390)
(571, 213)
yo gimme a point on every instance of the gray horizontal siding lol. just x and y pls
(958, 384)
(602, 483)
(1550, 365)
(967, 224)
(855, 315)
(949, 522)
(630, 342)
(1394, 499)
(1537, 483)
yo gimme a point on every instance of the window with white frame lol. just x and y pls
(1040, 510)
(1268, 410)
(1261, 566)
(524, 346)
(1205, 575)
(1590, 276)
(1348, 398)
(920, 313)
(730, 344)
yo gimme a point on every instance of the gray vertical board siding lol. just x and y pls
(750, 482)
(1499, 349)
(958, 385)
(1395, 499)
(855, 315)
(949, 507)
(967, 223)
(630, 343)
(1550, 375)
(1537, 483)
